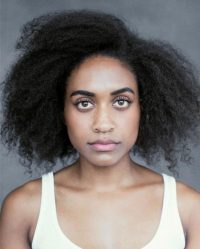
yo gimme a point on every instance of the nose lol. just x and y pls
(103, 122)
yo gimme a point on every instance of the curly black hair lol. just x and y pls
(52, 45)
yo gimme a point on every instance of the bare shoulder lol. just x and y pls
(188, 197)
(19, 209)
(189, 206)
(23, 197)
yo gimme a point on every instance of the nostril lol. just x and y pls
(102, 121)
(103, 129)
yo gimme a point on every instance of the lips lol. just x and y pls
(103, 145)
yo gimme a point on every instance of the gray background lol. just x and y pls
(175, 21)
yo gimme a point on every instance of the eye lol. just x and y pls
(84, 104)
(122, 102)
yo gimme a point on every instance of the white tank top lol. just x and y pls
(48, 234)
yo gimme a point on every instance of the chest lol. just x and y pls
(120, 220)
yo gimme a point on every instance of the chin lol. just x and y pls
(104, 161)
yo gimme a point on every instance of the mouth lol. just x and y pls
(104, 145)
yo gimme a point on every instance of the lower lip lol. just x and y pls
(103, 147)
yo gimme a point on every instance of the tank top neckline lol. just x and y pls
(156, 234)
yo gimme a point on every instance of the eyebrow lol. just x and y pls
(91, 94)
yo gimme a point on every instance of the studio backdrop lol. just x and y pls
(175, 21)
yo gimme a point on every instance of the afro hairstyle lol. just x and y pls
(52, 45)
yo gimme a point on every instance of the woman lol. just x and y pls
(85, 83)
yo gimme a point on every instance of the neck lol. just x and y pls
(106, 178)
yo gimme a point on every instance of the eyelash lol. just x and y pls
(123, 98)
(115, 100)
(81, 101)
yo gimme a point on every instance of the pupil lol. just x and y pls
(85, 104)
(121, 102)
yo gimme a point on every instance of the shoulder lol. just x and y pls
(23, 197)
(25, 192)
(188, 198)
(189, 207)
(19, 208)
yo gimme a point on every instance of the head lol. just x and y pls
(102, 103)
(59, 51)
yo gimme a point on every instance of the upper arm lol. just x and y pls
(15, 218)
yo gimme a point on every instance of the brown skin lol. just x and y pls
(116, 195)
(103, 118)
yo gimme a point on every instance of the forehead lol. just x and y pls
(101, 73)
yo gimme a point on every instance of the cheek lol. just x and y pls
(77, 124)
(130, 127)
(130, 120)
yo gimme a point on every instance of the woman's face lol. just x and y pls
(102, 110)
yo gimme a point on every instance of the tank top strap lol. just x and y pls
(47, 213)
(170, 206)
(49, 200)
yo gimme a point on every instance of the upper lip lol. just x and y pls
(104, 141)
